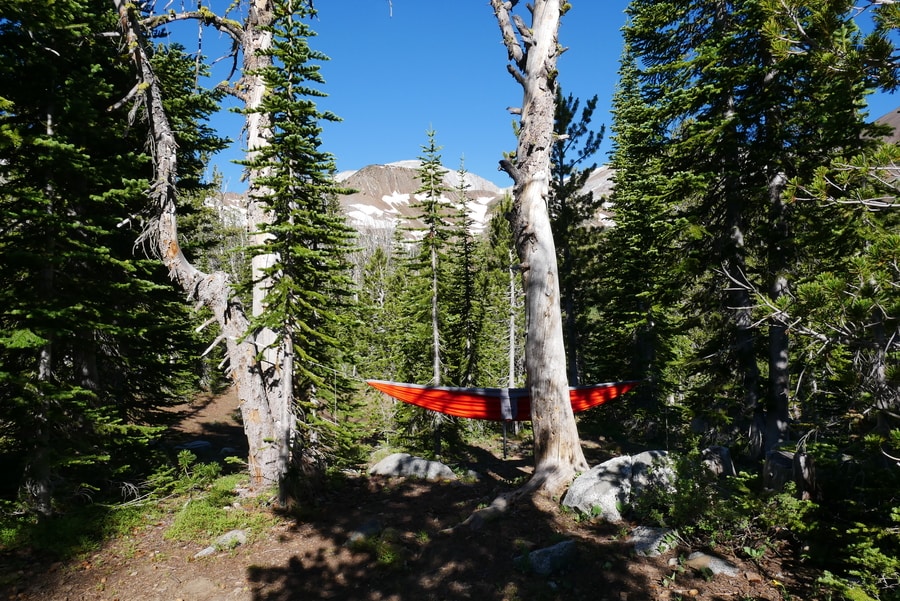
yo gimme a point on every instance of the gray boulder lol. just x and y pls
(202, 449)
(549, 560)
(405, 465)
(717, 459)
(606, 487)
(652, 470)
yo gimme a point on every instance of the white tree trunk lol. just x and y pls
(533, 53)
(511, 373)
(435, 329)
(277, 359)
(261, 399)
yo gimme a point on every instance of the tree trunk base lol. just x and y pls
(549, 482)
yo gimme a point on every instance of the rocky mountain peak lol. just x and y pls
(383, 195)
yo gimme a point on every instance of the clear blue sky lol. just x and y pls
(401, 67)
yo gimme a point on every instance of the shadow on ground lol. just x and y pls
(391, 539)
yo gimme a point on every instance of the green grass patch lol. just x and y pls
(75, 532)
(212, 513)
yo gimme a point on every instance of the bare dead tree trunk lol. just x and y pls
(511, 373)
(277, 359)
(261, 400)
(777, 411)
(511, 368)
(533, 53)
(435, 325)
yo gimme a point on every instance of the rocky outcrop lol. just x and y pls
(607, 488)
(404, 465)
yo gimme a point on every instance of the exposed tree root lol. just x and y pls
(550, 481)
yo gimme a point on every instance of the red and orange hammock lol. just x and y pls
(498, 404)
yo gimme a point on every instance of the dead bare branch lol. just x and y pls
(515, 52)
(207, 17)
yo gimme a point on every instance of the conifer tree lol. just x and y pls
(636, 296)
(307, 283)
(93, 337)
(741, 119)
(425, 290)
(433, 211)
(501, 363)
(572, 213)
(847, 310)
(376, 327)
(464, 308)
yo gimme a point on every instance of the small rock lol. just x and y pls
(231, 539)
(701, 561)
(651, 542)
(368, 529)
(480, 517)
(205, 552)
(548, 560)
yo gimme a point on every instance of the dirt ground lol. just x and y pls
(310, 557)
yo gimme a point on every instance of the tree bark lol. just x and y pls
(778, 409)
(533, 53)
(260, 398)
(276, 364)
(435, 325)
(37, 469)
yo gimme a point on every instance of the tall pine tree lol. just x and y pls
(307, 283)
(426, 292)
(740, 119)
(572, 216)
(93, 337)
(636, 296)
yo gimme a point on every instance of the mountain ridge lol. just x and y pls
(384, 194)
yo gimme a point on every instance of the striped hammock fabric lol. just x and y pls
(497, 404)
